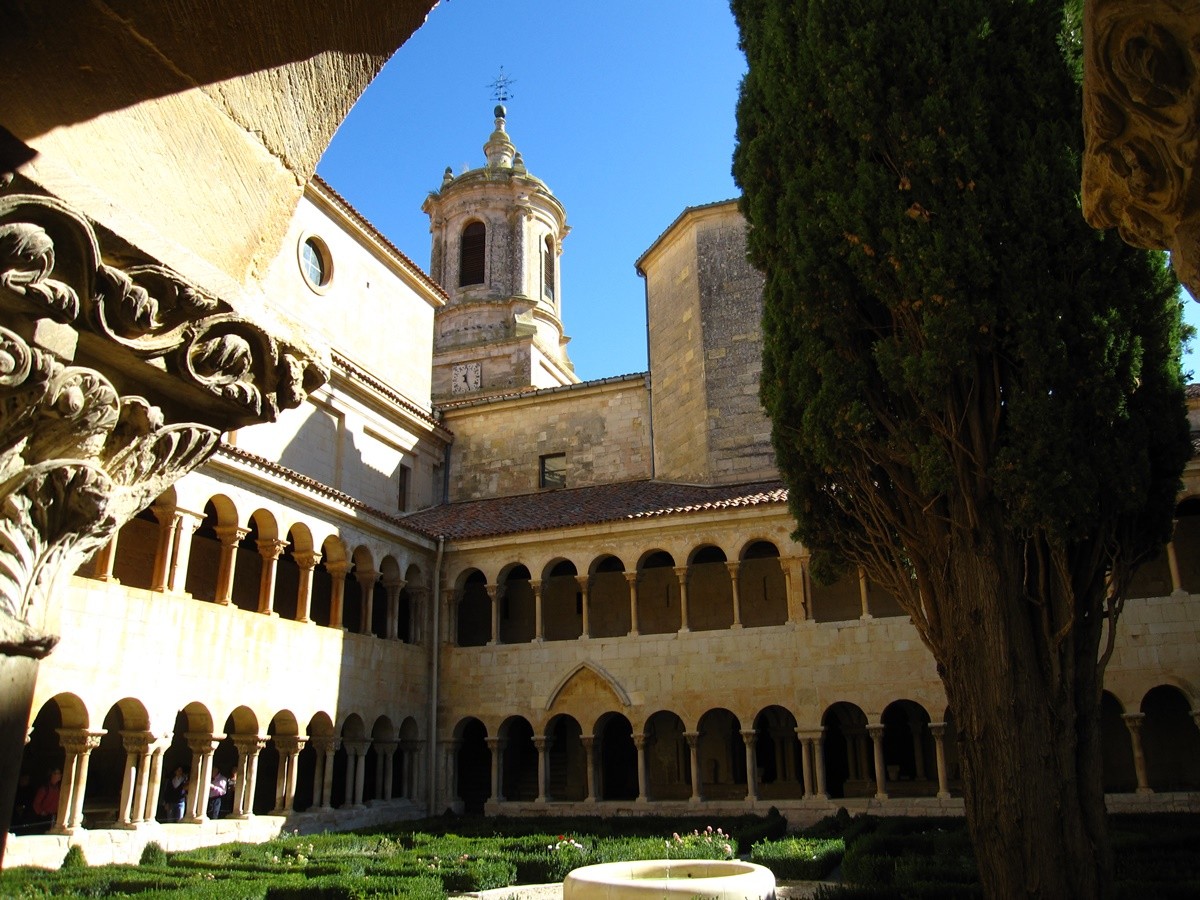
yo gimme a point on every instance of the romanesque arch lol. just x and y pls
(617, 758)
(668, 759)
(608, 598)
(566, 762)
(762, 587)
(562, 602)
(473, 764)
(721, 755)
(777, 754)
(518, 760)
(474, 619)
(710, 590)
(658, 595)
(849, 765)
(516, 602)
(908, 752)
(1170, 740)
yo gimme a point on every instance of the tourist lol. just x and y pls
(175, 796)
(45, 801)
(216, 790)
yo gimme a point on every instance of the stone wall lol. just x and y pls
(602, 427)
(739, 432)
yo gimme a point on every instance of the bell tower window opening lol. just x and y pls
(471, 254)
(548, 267)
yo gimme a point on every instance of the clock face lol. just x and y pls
(466, 377)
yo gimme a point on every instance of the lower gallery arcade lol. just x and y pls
(693, 665)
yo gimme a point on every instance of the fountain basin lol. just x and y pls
(725, 879)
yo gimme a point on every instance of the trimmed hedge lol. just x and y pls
(799, 858)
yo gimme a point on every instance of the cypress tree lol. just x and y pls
(975, 397)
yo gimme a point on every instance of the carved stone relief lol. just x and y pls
(1142, 125)
(79, 455)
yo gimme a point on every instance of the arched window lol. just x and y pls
(548, 268)
(471, 254)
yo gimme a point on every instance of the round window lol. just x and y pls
(315, 262)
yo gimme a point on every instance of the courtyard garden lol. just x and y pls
(856, 857)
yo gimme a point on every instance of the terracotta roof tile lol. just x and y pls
(571, 507)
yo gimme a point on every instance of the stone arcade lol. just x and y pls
(449, 577)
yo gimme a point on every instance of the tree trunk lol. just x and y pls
(1024, 689)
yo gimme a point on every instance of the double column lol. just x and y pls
(385, 752)
(356, 772)
(245, 778)
(325, 747)
(140, 782)
(289, 747)
(77, 745)
(812, 762)
(202, 746)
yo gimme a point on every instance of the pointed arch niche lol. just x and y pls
(587, 691)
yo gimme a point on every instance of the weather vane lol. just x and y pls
(502, 87)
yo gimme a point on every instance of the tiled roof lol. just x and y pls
(570, 507)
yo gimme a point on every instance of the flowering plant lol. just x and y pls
(567, 845)
(706, 844)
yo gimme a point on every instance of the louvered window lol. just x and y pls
(548, 268)
(471, 254)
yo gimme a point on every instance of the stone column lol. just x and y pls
(806, 742)
(539, 632)
(393, 587)
(582, 581)
(693, 742)
(589, 764)
(639, 741)
(681, 575)
(734, 568)
(289, 747)
(104, 560)
(450, 769)
(78, 745)
(248, 747)
(337, 592)
(202, 746)
(493, 591)
(270, 550)
(795, 582)
(496, 746)
(165, 514)
(386, 762)
(306, 561)
(863, 594)
(541, 744)
(417, 598)
(450, 619)
(184, 525)
(749, 736)
(938, 730)
(818, 746)
(137, 758)
(229, 536)
(351, 772)
(631, 579)
(151, 781)
(876, 732)
(366, 586)
(324, 746)
(1133, 722)
(1173, 562)
(360, 771)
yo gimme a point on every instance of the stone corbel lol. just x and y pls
(80, 453)
(1141, 116)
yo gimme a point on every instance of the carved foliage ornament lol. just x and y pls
(50, 265)
(76, 460)
(1142, 125)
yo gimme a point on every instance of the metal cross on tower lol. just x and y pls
(502, 87)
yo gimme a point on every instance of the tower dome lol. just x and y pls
(497, 235)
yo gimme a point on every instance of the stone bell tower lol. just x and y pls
(497, 236)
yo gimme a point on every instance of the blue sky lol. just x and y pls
(625, 109)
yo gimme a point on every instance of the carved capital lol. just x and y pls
(78, 457)
(1141, 116)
